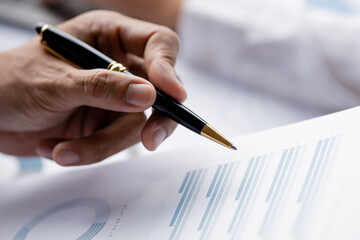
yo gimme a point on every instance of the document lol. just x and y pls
(299, 181)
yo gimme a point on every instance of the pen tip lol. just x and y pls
(233, 147)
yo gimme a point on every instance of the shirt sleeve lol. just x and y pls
(282, 47)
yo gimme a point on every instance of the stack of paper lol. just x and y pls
(295, 182)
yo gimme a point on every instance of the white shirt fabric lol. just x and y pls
(304, 54)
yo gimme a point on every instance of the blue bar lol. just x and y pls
(319, 163)
(30, 164)
(295, 159)
(272, 202)
(213, 181)
(304, 209)
(213, 210)
(277, 174)
(327, 158)
(314, 176)
(248, 200)
(289, 174)
(184, 182)
(243, 196)
(318, 146)
(178, 222)
(196, 193)
(212, 198)
(224, 197)
(244, 179)
(182, 200)
(285, 170)
(325, 165)
(305, 196)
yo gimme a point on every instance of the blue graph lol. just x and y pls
(280, 184)
(245, 190)
(100, 207)
(245, 193)
(309, 194)
(30, 164)
(189, 189)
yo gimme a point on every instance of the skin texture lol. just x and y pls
(163, 12)
(78, 117)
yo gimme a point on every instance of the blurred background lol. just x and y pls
(248, 65)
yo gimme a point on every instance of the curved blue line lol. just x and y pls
(100, 207)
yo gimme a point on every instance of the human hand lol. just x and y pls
(164, 12)
(78, 117)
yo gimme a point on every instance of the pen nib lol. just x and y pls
(233, 147)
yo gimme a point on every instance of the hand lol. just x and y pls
(78, 117)
(164, 12)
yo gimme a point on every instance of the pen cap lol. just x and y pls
(72, 49)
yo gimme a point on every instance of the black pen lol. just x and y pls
(82, 55)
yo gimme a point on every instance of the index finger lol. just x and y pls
(159, 47)
(116, 33)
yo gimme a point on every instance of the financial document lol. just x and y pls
(294, 182)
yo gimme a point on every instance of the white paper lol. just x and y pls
(295, 182)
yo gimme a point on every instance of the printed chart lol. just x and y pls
(235, 189)
(98, 206)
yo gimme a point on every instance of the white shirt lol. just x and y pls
(287, 48)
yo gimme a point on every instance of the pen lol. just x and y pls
(82, 55)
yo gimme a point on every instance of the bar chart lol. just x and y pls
(224, 200)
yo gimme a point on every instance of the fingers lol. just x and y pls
(156, 130)
(160, 56)
(135, 65)
(159, 46)
(121, 134)
(107, 90)
(117, 35)
(46, 146)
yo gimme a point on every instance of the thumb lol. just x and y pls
(108, 90)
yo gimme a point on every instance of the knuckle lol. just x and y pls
(100, 85)
(169, 35)
(169, 44)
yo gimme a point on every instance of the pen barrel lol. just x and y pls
(84, 56)
(178, 112)
(75, 51)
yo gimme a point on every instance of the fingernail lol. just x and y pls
(160, 136)
(67, 157)
(139, 95)
(173, 75)
(182, 92)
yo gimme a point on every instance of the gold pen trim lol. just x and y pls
(211, 133)
(48, 49)
(43, 28)
(117, 67)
